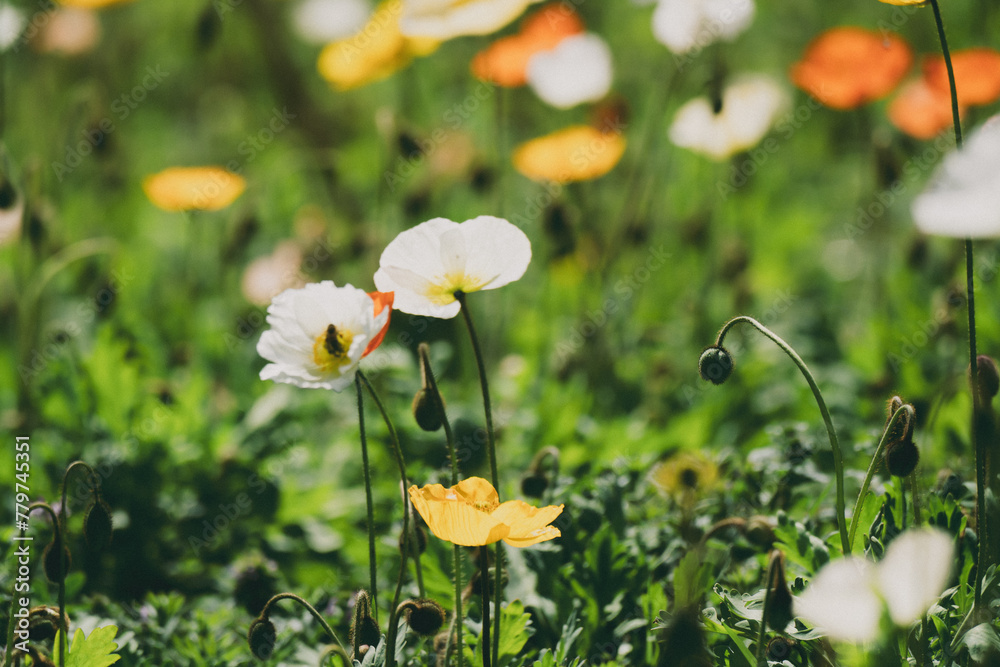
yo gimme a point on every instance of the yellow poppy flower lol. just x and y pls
(470, 514)
(904, 2)
(576, 153)
(685, 476)
(193, 188)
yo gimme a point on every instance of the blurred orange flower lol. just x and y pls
(470, 514)
(505, 61)
(374, 53)
(193, 188)
(576, 153)
(921, 110)
(91, 4)
(847, 67)
(977, 75)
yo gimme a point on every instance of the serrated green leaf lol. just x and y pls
(94, 651)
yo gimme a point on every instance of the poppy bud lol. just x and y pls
(425, 411)
(424, 616)
(43, 621)
(683, 641)
(262, 637)
(779, 648)
(50, 561)
(364, 629)
(988, 377)
(255, 585)
(779, 598)
(760, 531)
(97, 525)
(533, 485)
(715, 364)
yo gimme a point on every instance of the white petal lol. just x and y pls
(11, 25)
(444, 19)
(577, 70)
(841, 601)
(676, 24)
(498, 251)
(696, 127)
(750, 106)
(322, 21)
(915, 572)
(727, 18)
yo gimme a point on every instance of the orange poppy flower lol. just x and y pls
(470, 514)
(91, 4)
(846, 67)
(977, 75)
(576, 153)
(505, 61)
(193, 188)
(921, 110)
(383, 300)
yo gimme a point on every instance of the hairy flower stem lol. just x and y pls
(978, 446)
(372, 569)
(838, 462)
(484, 589)
(876, 458)
(408, 545)
(492, 453)
(312, 610)
(428, 375)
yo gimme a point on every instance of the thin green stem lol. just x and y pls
(873, 466)
(838, 462)
(762, 635)
(484, 589)
(372, 569)
(335, 651)
(312, 610)
(492, 453)
(408, 547)
(428, 375)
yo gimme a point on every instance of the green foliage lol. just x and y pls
(93, 651)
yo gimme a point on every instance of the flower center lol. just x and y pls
(442, 291)
(330, 348)
(485, 505)
(689, 478)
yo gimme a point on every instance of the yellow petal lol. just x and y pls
(528, 524)
(576, 153)
(193, 188)
(451, 518)
(477, 491)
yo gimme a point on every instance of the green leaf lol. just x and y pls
(692, 576)
(93, 651)
(983, 642)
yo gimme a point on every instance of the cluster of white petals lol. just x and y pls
(318, 335)
(963, 197)
(750, 106)
(322, 21)
(577, 70)
(685, 25)
(445, 19)
(427, 264)
(848, 597)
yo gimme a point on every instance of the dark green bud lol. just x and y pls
(262, 637)
(533, 485)
(988, 377)
(424, 616)
(50, 561)
(779, 598)
(715, 365)
(425, 410)
(364, 628)
(97, 525)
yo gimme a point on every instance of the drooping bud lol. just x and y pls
(536, 480)
(901, 455)
(50, 560)
(262, 637)
(364, 628)
(43, 622)
(256, 583)
(533, 485)
(760, 531)
(423, 615)
(426, 409)
(987, 377)
(779, 598)
(97, 524)
(715, 364)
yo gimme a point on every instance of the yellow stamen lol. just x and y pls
(330, 349)
(442, 291)
(485, 505)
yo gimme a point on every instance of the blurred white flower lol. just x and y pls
(444, 19)
(322, 21)
(266, 277)
(319, 334)
(750, 106)
(683, 25)
(11, 25)
(847, 598)
(577, 70)
(963, 197)
(427, 264)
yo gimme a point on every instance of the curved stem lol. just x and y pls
(312, 610)
(838, 463)
(337, 651)
(390, 656)
(876, 458)
(456, 555)
(492, 453)
(372, 569)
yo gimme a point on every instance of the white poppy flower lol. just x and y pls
(319, 334)
(427, 264)
(577, 70)
(444, 19)
(750, 106)
(683, 25)
(322, 21)
(963, 198)
(846, 600)
(11, 25)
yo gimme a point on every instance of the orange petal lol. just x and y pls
(528, 524)
(193, 188)
(921, 110)
(846, 67)
(977, 75)
(576, 153)
(452, 519)
(382, 301)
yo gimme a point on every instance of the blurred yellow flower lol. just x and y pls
(193, 188)
(685, 476)
(444, 19)
(91, 4)
(576, 153)
(904, 2)
(375, 52)
(470, 514)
